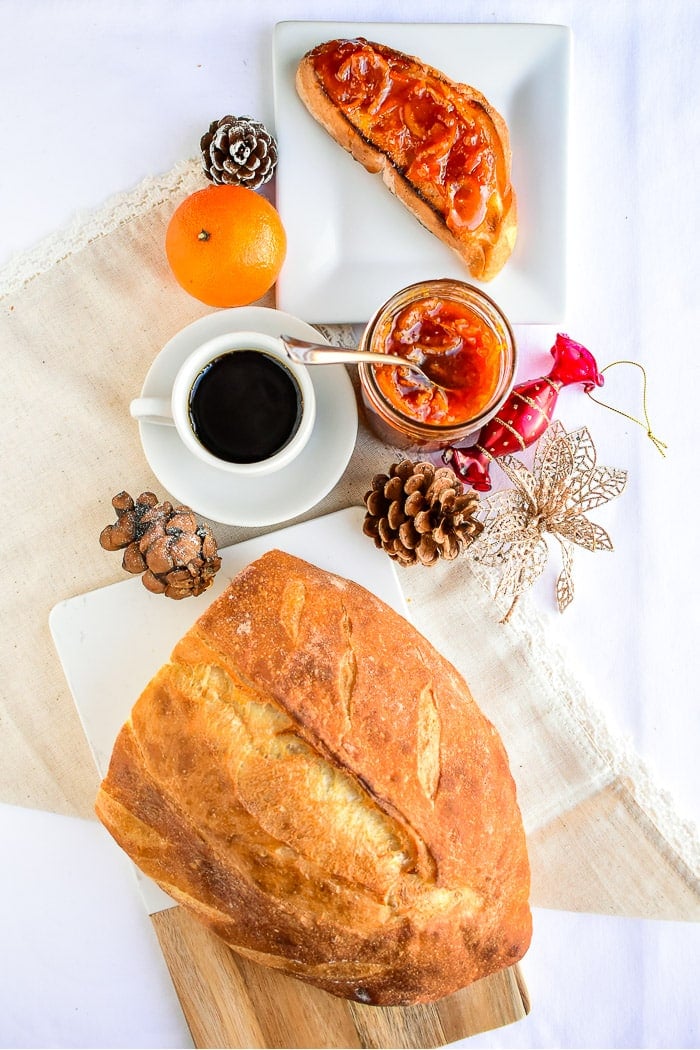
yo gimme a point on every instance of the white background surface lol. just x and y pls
(97, 96)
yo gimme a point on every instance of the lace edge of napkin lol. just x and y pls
(617, 750)
(86, 227)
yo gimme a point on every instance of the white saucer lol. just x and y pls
(267, 500)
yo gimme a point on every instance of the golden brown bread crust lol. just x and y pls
(484, 248)
(315, 782)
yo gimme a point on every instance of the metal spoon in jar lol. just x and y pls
(305, 353)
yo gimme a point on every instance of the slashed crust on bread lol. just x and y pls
(316, 784)
(483, 238)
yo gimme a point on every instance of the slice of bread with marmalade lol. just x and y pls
(439, 146)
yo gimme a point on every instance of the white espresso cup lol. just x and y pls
(238, 403)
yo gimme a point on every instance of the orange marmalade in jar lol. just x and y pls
(465, 345)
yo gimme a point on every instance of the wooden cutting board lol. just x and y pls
(229, 1001)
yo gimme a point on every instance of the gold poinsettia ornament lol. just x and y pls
(553, 499)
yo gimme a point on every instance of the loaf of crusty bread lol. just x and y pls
(315, 782)
(439, 146)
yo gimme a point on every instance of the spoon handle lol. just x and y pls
(317, 354)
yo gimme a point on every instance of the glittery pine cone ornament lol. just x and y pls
(177, 555)
(238, 151)
(420, 513)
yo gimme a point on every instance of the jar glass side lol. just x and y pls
(403, 430)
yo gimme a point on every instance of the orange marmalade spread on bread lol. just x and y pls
(454, 346)
(442, 141)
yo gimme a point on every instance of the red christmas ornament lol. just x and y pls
(525, 415)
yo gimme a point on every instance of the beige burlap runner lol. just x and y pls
(77, 340)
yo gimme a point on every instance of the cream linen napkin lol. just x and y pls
(78, 338)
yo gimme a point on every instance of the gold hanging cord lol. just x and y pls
(645, 424)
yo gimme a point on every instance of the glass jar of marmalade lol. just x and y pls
(461, 340)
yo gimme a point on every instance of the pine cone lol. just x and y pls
(177, 555)
(420, 513)
(238, 151)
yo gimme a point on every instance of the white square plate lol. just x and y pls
(351, 244)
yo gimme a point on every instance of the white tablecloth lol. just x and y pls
(97, 96)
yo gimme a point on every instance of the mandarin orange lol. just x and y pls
(225, 245)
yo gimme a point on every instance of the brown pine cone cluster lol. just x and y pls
(420, 513)
(238, 151)
(177, 555)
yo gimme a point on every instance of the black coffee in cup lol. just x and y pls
(245, 406)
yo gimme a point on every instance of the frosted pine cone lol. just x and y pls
(177, 555)
(238, 151)
(420, 513)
